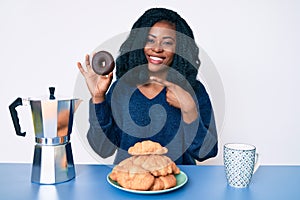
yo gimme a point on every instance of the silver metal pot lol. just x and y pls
(52, 121)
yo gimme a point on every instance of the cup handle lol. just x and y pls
(256, 165)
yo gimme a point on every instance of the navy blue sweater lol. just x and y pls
(127, 117)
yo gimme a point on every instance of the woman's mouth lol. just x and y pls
(155, 60)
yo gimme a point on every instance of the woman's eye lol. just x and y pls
(149, 40)
(168, 43)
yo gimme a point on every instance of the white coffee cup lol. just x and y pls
(241, 162)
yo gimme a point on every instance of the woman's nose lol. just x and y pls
(157, 47)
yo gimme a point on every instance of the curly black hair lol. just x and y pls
(186, 60)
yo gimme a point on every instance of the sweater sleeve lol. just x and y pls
(100, 123)
(200, 136)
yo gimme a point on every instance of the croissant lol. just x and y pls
(160, 165)
(146, 169)
(147, 147)
(164, 182)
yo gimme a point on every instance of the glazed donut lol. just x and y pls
(103, 63)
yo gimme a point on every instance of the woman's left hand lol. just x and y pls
(176, 96)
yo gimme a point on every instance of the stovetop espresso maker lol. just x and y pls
(52, 121)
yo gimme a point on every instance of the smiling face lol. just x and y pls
(160, 46)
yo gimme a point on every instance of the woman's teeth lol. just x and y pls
(155, 58)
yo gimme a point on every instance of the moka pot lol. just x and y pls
(52, 121)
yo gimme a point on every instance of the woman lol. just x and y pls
(156, 95)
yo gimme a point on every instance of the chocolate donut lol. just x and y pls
(103, 63)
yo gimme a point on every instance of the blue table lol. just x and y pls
(205, 182)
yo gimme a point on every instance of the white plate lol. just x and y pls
(181, 179)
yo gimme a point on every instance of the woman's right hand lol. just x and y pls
(97, 84)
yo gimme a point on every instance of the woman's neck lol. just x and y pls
(150, 90)
(161, 74)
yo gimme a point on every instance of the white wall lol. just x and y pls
(253, 46)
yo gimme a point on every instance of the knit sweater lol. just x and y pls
(127, 117)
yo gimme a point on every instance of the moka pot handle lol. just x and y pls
(14, 115)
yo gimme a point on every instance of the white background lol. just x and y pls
(254, 46)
